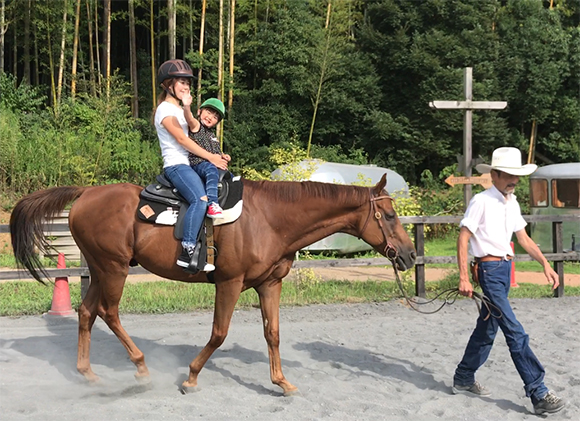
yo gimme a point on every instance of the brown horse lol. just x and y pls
(256, 251)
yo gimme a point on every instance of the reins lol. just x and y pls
(449, 295)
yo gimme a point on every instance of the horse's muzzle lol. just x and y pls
(406, 261)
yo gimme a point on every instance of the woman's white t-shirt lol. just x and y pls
(173, 153)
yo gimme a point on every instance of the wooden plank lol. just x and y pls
(557, 239)
(420, 267)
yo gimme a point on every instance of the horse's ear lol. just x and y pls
(381, 184)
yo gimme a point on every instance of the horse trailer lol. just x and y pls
(555, 190)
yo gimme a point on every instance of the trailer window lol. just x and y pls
(538, 192)
(566, 193)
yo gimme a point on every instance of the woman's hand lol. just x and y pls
(226, 157)
(219, 161)
(186, 99)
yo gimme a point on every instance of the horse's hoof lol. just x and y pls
(143, 380)
(294, 392)
(189, 389)
(93, 380)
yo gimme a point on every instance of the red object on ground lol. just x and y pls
(513, 282)
(61, 305)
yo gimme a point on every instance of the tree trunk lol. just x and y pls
(73, 82)
(191, 25)
(36, 58)
(107, 25)
(220, 64)
(152, 32)
(98, 50)
(15, 51)
(133, 60)
(171, 33)
(91, 52)
(322, 74)
(201, 41)
(62, 50)
(232, 32)
(27, 16)
(50, 59)
(3, 28)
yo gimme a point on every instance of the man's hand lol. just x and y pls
(551, 276)
(465, 287)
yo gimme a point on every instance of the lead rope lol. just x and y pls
(450, 296)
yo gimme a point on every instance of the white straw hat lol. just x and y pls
(508, 160)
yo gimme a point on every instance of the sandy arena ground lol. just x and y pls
(350, 362)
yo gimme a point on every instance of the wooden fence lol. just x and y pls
(557, 256)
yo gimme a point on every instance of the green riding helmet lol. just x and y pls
(215, 104)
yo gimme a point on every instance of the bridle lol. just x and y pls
(390, 251)
(449, 295)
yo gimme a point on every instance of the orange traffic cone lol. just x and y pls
(513, 282)
(61, 305)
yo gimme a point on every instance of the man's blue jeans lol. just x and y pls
(494, 278)
(191, 188)
(208, 172)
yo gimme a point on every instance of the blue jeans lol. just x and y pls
(208, 172)
(494, 278)
(191, 188)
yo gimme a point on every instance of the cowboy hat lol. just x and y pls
(508, 160)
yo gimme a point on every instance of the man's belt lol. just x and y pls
(490, 258)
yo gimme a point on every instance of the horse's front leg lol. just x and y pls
(269, 293)
(226, 296)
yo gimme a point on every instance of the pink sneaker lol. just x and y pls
(214, 211)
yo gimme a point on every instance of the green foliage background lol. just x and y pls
(377, 64)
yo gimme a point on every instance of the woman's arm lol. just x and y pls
(174, 129)
(192, 122)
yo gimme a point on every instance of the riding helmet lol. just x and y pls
(215, 104)
(173, 69)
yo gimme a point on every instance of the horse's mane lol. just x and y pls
(293, 191)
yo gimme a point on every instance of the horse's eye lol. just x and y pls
(390, 214)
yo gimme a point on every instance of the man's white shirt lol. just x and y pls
(492, 219)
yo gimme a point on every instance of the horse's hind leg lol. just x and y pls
(112, 288)
(87, 315)
(226, 296)
(269, 293)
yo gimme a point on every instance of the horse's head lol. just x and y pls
(382, 229)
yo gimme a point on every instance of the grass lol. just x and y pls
(31, 298)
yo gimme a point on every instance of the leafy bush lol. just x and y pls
(21, 98)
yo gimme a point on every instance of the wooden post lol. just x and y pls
(420, 268)
(468, 105)
(85, 280)
(558, 244)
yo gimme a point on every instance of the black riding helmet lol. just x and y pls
(173, 69)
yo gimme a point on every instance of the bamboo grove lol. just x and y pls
(340, 80)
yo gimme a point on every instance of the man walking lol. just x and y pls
(488, 225)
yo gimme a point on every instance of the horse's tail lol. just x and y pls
(26, 225)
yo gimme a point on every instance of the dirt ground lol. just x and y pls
(5, 238)
(379, 361)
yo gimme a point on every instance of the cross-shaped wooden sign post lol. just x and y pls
(468, 105)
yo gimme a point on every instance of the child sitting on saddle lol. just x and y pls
(172, 130)
(210, 113)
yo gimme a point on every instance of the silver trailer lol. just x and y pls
(555, 190)
(368, 175)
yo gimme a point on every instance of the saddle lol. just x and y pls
(160, 203)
